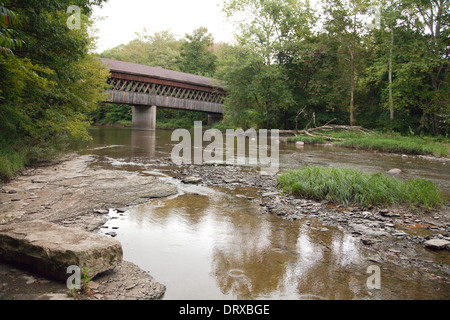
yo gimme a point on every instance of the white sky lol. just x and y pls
(123, 18)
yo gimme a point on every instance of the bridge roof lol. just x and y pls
(159, 73)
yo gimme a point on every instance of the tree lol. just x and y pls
(161, 50)
(430, 19)
(52, 81)
(196, 56)
(272, 31)
(256, 92)
(345, 24)
(7, 21)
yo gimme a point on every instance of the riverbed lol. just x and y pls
(224, 240)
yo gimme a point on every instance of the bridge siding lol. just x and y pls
(141, 99)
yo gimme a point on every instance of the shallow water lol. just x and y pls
(214, 243)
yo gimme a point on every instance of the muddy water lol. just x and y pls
(214, 243)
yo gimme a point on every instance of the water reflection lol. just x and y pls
(206, 243)
(143, 144)
(220, 247)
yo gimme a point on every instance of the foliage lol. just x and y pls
(7, 42)
(256, 91)
(384, 62)
(50, 83)
(383, 142)
(195, 54)
(352, 187)
(161, 50)
(398, 144)
(307, 139)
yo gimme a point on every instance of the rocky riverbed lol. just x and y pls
(394, 235)
(73, 194)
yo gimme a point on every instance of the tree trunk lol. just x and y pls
(352, 90)
(391, 98)
(352, 74)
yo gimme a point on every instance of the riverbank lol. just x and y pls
(393, 235)
(382, 142)
(73, 193)
(76, 193)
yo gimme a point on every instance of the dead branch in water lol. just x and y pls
(317, 131)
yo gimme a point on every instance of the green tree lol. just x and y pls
(429, 21)
(161, 50)
(272, 31)
(256, 91)
(196, 56)
(52, 81)
(345, 25)
(7, 41)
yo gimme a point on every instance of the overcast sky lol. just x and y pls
(123, 18)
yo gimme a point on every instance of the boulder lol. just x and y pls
(395, 171)
(192, 180)
(50, 249)
(437, 244)
(367, 231)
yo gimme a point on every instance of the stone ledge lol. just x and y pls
(49, 249)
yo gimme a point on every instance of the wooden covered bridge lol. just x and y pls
(148, 88)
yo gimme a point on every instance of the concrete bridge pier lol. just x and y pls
(144, 117)
(214, 118)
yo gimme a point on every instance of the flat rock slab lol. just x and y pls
(50, 249)
(192, 180)
(437, 244)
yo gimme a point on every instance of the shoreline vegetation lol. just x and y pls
(340, 185)
(346, 186)
(383, 142)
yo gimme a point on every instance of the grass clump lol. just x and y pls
(307, 139)
(395, 143)
(383, 142)
(10, 163)
(15, 155)
(352, 187)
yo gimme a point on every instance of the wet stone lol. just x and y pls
(50, 249)
(192, 180)
(437, 244)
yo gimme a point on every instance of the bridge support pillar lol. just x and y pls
(144, 117)
(214, 118)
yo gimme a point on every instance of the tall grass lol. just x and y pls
(307, 139)
(398, 144)
(15, 155)
(352, 187)
(384, 142)
(10, 163)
